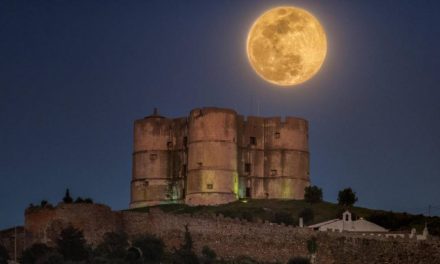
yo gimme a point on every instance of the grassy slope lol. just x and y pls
(266, 209)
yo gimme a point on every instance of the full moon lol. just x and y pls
(286, 46)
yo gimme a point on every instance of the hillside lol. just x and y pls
(282, 211)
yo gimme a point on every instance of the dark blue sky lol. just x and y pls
(75, 74)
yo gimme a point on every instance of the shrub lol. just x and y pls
(114, 246)
(299, 260)
(312, 246)
(88, 200)
(347, 197)
(208, 254)
(79, 200)
(72, 245)
(152, 248)
(244, 260)
(36, 253)
(283, 218)
(4, 255)
(307, 215)
(185, 253)
(313, 194)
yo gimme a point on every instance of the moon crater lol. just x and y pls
(286, 46)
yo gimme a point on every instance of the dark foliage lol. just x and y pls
(245, 260)
(79, 200)
(312, 246)
(152, 248)
(185, 253)
(88, 200)
(347, 197)
(283, 218)
(67, 198)
(299, 260)
(4, 255)
(434, 226)
(307, 215)
(113, 247)
(208, 255)
(313, 194)
(37, 253)
(72, 245)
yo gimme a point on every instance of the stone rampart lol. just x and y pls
(230, 238)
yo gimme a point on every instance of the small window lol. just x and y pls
(277, 135)
(153, 156)
(169, 144)
(185, 141)
(146, 183)
(209, 186)
(247, 167)
(253, 140)
(200, 164)
(273, 173)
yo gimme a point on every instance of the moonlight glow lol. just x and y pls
(286, 46)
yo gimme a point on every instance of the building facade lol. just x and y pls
(215, 156)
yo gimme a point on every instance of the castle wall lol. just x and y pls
(45, 224)
(231, 238)
(212, 157)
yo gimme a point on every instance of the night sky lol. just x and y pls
(74, 75)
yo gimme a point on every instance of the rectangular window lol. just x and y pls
(248, 192)
(185, 141)
(247, 167)
(200, 164)
(169, 144)
(209, 186)
(153, 156)
(273, 173)
(277, 135)
(253, 140)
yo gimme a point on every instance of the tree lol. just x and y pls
(152, 248)
(313, 194)
(72, 245)
(307, 215)
(36, 253)
(347, 197)
(185, 253)
(113, 247)
(67, 198)
(4, 255)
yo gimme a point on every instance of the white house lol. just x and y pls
(347, 224)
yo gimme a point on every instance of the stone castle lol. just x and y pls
(216, 156)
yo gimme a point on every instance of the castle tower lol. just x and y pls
(212, 157)
(157, 158)
(286, 156)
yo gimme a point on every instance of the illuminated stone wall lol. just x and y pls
(216, 156)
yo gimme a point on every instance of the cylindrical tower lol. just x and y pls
(150, 175)
(212, 157)
(286, 167)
